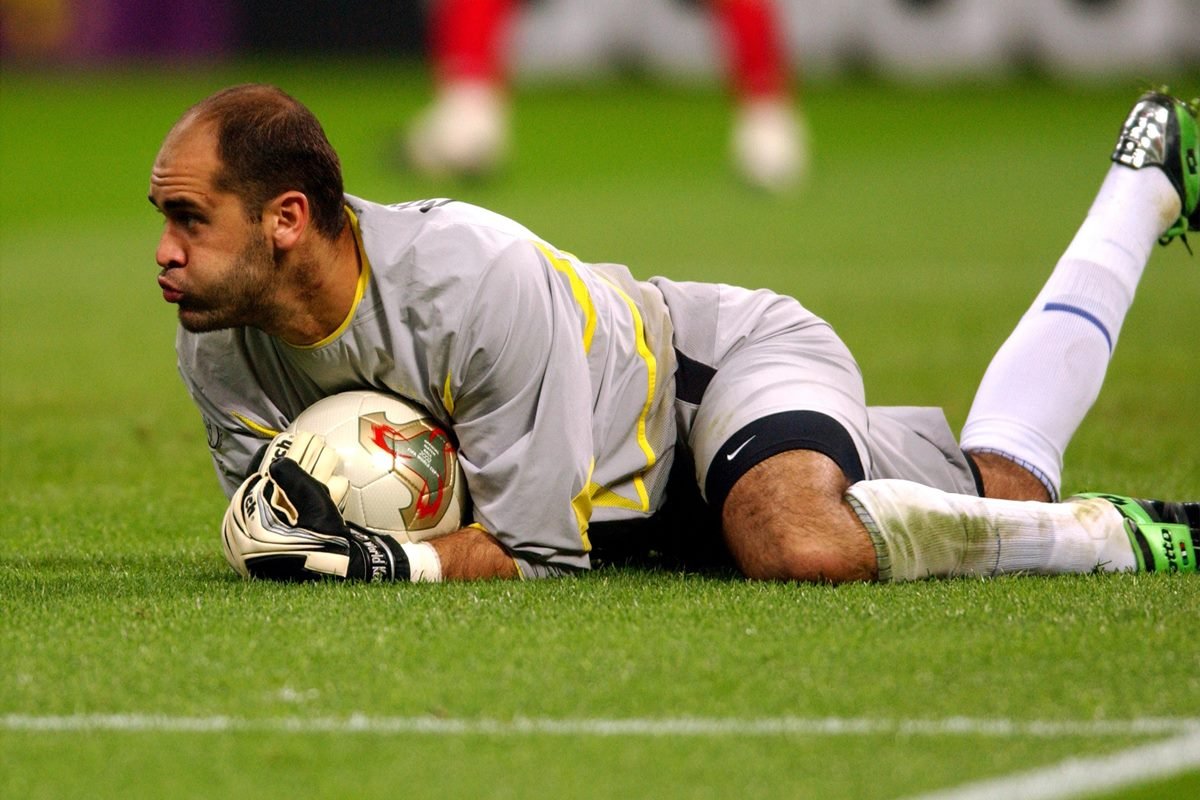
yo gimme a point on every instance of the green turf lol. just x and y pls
(931, 220)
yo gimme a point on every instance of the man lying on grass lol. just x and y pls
(575, 391)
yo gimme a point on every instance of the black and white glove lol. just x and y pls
(310, 451)
(282, 524)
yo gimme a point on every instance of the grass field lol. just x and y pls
(134, 664)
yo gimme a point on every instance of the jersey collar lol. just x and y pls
(364, 277)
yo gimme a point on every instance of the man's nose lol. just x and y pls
(169, 252)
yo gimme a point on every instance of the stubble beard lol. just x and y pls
(242, 300)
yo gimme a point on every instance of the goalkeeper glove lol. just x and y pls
(310, 451)
(283, 525)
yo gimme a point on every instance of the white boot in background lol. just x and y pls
(463, 133)
(770, 144)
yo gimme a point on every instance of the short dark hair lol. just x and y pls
(270, 143)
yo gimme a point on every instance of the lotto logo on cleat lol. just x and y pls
(1169, 550)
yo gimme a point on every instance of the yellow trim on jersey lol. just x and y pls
(447, 398)
(581, 504)
(364, 277)
(603, 496)
(258, 429)
(606, 497)
(578, 290)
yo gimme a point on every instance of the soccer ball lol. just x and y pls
(401, 464)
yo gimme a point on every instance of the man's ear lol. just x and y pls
(286, 218)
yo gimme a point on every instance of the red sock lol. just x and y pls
(754, 47)
(467, 39)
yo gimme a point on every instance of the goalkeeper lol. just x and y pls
(577, 393)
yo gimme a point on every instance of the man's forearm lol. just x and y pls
(473, 554)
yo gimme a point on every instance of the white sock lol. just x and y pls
(1046, 376)
(921, 532)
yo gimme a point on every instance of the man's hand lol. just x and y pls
(282, 524)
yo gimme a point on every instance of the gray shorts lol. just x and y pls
(759, 374)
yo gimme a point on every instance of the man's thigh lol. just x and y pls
(759, 375)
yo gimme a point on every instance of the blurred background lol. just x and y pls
(920, 39)
(764, 52)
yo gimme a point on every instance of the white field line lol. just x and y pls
(647, 726)
(1079, 777)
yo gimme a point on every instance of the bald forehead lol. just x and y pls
(190, 132)
(186, 165)
(190, 145)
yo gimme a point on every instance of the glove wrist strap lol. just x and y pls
(374, 557)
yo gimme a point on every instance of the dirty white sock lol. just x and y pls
(921, 532)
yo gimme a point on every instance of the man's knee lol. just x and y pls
(787, 519)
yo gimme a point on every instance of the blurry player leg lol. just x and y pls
(1048, 373)
(770, 147)
(465, 130)
(785, 519)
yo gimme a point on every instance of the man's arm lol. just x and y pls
(282, 524)
(473, 554)
(521, 391)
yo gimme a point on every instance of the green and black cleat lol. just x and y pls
(1162, 131)
(1165, 536)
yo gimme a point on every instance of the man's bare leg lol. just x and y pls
(1004, 478)
(795, 516)
(1046, 376)
(787, 519)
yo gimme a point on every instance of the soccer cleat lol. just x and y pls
(463, 134)
(770, 144)
(1161, 131)
(1165, 536)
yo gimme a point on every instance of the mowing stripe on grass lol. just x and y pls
(1079, 777)
(648, 726)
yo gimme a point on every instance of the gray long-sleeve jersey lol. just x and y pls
(556, 376)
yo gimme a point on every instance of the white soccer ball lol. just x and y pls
(401, 464)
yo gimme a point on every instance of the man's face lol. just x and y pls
(217, 265)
